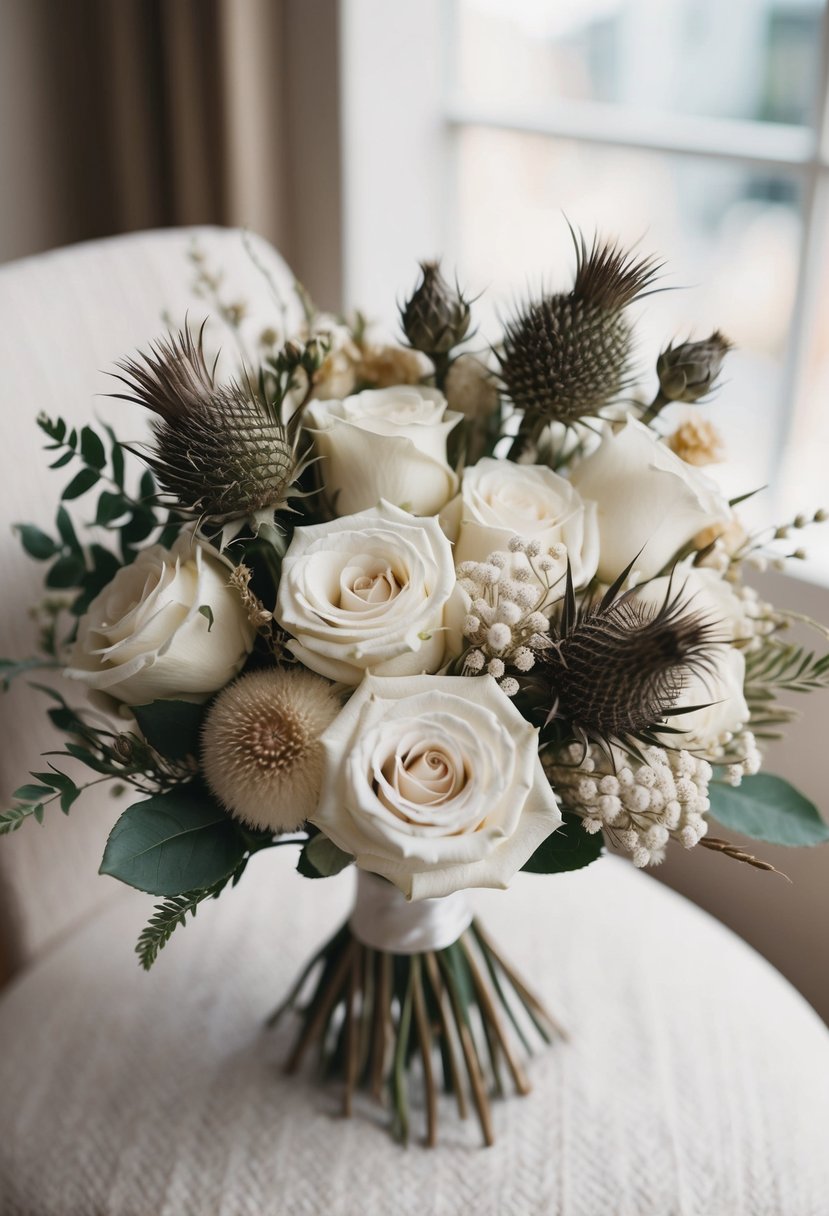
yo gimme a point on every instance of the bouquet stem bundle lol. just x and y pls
(371, 1014)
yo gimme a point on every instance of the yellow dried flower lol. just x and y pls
(697, 441)
(261, 752)
(388, 366)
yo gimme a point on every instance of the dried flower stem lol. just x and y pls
(372, 1014)
(732, 850)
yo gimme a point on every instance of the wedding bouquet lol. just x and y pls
(439, 613)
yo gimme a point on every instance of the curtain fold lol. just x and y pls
(117, 115)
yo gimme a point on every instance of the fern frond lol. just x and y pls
(173, 912)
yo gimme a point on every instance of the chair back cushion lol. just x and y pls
(65, 318)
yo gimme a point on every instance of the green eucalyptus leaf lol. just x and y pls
(92, 448)
(110, 507)
(32, 793)
(67, 530)
(80, 483)
(768, 808)
(320, 858)
(570, 848)
(36, 543)
(171, 727)
(68, 571)
(173, 843)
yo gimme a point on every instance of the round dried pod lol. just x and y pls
(261, 752)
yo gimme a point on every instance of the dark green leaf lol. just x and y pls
(173, 843)
(110, 506)
(92, 448)
(171, 727)
(146, 487)
(68, 571)
(36, 543)
(768, 808)
(320, 858)
(80, 483)
(32, 793)
(570, 848)
(207, 612)
(139, 527)
(62, 460)
(67, 530)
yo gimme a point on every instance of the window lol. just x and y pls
(695, 127)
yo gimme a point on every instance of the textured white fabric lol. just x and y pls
(696, 1081)
(385, 919)
(65, 318)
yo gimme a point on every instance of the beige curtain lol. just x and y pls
(117, 115)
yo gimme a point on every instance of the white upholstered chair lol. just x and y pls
(696, 1081)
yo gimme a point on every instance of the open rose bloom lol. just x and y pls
(445, 612)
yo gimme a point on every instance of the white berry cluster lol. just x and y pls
(510, 596)
(640, 806)
(758, 621)
(743, 758)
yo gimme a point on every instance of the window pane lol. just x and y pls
(730, 237)
(739, 59)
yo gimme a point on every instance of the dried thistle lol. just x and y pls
(220, 452)
(567, 356)
(616, 668)
(436, 317)
(689, 371)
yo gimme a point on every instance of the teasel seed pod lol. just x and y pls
(689, 371)
(436, 318)
(616, 667)
(220, 452)
(568, 355)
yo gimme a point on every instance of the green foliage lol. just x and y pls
(167, 917)
(171, 727)
(780, 667)
(570, 848)
(30, 800)
(86, 570)
(174, 843)
(768, 808)
(320, 858)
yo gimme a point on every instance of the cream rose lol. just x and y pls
(385, 443)
(719, 691)
(434, 782)
(648, 499)
(145, 638)
(499, 499)
(723, 710)
(367, 591)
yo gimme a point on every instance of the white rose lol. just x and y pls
(705, 591)
(500, 499)
(723, 711)
(434, 782)
(367, 591)
(385, 443)
(648, 500)
(719, 691)
(144, 638)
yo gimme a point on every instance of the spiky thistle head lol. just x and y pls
(567, 355)
(220, 452)
(436, 317)
(616, 667)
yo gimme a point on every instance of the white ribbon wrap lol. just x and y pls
(385, 920)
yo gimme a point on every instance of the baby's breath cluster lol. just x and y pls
(741, 757)
(640, 806)
(510, 597)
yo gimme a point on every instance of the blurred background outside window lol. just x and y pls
(695, 128)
